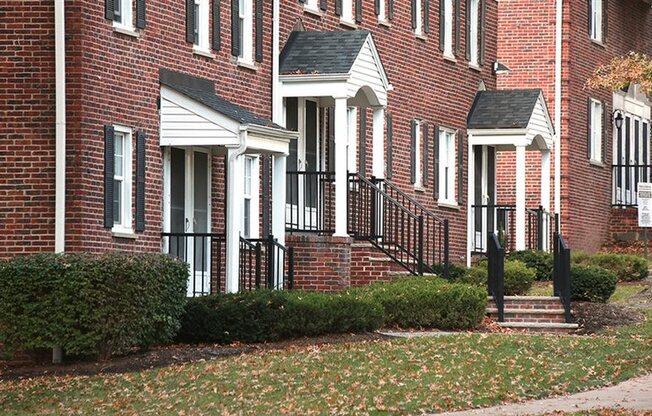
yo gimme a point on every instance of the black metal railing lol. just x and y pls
(378, 217)
(502, 219)
(310, 198)
(496, 274)
(205, 253)
(264, 263)
(626, 178)
(561, 273)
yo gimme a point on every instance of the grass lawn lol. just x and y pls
(381, 377)
(623, 292)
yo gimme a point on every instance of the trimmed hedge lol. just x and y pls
(265, 315)
(540, 261)
(417, 302)
(518, 277)
(626, 267)
(591, 283)
(90, 304)
(455, 272)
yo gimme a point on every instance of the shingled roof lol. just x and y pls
(507, 109)
(321, 52)
(203, 91)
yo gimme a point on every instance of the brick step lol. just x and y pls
(531, 302)
(539, 327)
(530, 315)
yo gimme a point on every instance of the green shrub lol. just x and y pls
(455, 272)
(518, 277)
(90, 304)
(418, 302)
(626, 267)
(540, 261)
(265, 315)
(591, 283)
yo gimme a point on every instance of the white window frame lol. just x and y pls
(418, 156)
(448, 29)
(126, 20)
(201, 26)
(348, 17)
(447, 169)
(596, 120)
(250, 163)
(312, 6)
(596, 20)
(382, 12)
(246, 32)
(418, 30)
(474, 43)
(125, 224)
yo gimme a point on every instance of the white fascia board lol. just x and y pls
(551, 127)
(376, 55)
(314, 87)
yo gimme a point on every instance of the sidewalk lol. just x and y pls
(633, 394)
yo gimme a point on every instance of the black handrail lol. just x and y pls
(561, 274)
(259, 258)
(205, 253)
(626, 178)
(310, 197)
(496, 274)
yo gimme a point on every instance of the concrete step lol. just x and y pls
(539, 327)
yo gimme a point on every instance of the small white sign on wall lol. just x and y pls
(644, 204)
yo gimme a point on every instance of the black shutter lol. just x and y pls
(605, 20)
(458, 27)
(259, 30)
(217, 25)
(140, 181)
(483, 27)
(377, 7)
(442, 24)
(302, 1)
(468, 30)
(141, 15)
(323, 5)
(413, 151)
(460, 166)
(588, 127)
(109, 171)
(589, 13)
(109, 9)
(190, 21)
(426, 16)
(362, 143)
(435, 164)
(390, 9)
(424, 168)
(414, 14)
(390, 147)
(338, 7)
(235, 27)
(358, 11)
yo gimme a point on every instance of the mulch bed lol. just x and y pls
(593, 317)
(164, 356)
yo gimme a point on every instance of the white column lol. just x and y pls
(520, 197)
(234, 192)
(470, 223)
(340, 168)
(378, 166)
(278, 208)
(545, 194)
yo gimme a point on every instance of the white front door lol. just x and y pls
(484, 195)
(189, 210)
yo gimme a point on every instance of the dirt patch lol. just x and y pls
(166, 355)
(593, 317)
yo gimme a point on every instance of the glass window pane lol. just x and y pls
(118, 154)
(247, 217)
(117, 202)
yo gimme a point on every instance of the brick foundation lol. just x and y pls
(321, 262)
(369, 265)
(623, 225)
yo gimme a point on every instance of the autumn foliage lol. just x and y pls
(633, 68)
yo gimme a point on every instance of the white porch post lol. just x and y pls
(469, 203)
(340, 168)
(278, 208)
(545, 194)
(234, 190)
(520, 197)
(378, 168)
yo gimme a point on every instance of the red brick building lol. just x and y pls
(338, 127)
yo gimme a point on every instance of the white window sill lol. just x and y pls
(125, 30)
(597, 163)
(202, 52)
(246, 63)
(384, 22)
(421, 36)
(449, 57)
(448, 204)
(124, 233)
(598, 42)
(348, 23)
(475, 67)
(419, 188)
(313, 11)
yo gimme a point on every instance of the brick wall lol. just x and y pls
(369, 264)
(321, 262)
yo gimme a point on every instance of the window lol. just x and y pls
(245, 42)
(448, 28)
(312, 5)
(347, 12)
(473, 22)
(418, 17)
(122, 180)
(595, 130)
(595, 20)
(382, 11)
(201, 25)
(121, 14)
(447, 166)
(417, 154)
(250, 202)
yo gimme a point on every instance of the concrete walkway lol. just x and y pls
(633, 394)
